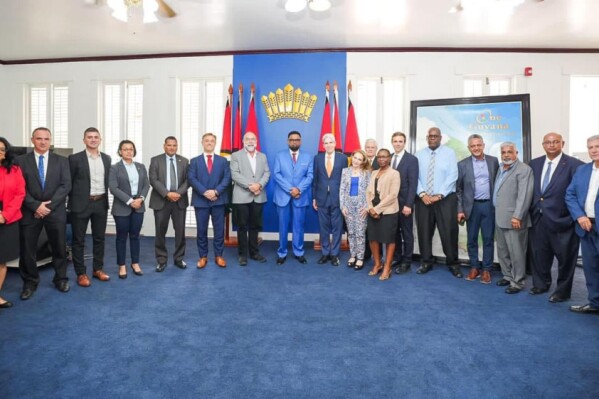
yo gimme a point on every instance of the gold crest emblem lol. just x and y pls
(289, 104)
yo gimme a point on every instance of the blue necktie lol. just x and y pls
(546, 178)
(40, 169)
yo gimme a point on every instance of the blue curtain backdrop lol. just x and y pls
(309, 72)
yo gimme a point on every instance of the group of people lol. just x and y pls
(534, 213)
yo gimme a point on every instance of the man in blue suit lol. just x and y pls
(325, 191)
(210, 176)
(293, 179)
(552, 233)
(581, 199)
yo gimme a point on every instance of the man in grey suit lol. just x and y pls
(169, 200)
(476, 178)
(512, 197)
(250, 173)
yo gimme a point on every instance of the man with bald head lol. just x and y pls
(552, 233)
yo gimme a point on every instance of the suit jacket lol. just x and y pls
(119, 186)
(80, 180)
(465, 184)
(322, 184)
(157, 174)
(388, 187)
(57, 187)
(12, 187)
(408, 174)
(551, 202)
(375, 164)
(288, 175)
(576, 196)
(243, 176)
(514, 195)
(346, 185)
(201, 181)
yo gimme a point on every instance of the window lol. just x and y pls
(487, 86)
(379, 106)
(49, 107)
(202, 109)
(584, 113)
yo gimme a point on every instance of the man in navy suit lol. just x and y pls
(552, 233)
(210, 176)
(325, 191)
(407, 166)
(581, 199)
(293, 173)
(476, 182)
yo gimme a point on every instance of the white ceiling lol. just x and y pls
(45, 29)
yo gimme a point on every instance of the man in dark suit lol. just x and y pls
(370, 148)
(48, 182)
(88, 201)
(476, 182)
(552, 233)
(407, 166)
(325, 192)
(581, 200)
(210, 176)
(293, 173)
(169, 200)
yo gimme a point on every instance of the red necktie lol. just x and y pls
(209, 163)
(293, 154)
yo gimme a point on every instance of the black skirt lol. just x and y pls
(383, 230)
(9, 237)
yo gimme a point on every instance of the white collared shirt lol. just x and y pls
(37, 161)
(168, 170)
(296, 155)
(252, 159)
(554, 164)
(96, 174)
(396, 159)
(206, 158)
(326, 158)
(589, 204)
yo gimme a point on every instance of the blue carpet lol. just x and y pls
(297, 331)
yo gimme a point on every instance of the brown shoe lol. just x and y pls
(474, 273)
(100, 275)
(202, 262)
(83, 280)
(220, 261)
(486, 277)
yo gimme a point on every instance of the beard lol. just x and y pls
(250, 147)
(508, 161)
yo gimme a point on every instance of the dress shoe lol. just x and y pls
(473, 274)
(557, 298)
(301, 259)
(486, 277)
(181, 264)
(512, 290)
(202, 262)
(351, 262)
(122, 275)
(587, 309)
(258, 258)
(402, 268)
(160, 267)
(220, 261)
(83, 280)
(100, 275)
(282, 260)
(5, 305)
(243, 261)
(335, 261)
(62, 286)
(27, 293)
(323, 259)
(537, 291)
(359, 264)
(424, 268)
(137, 272)
(456, 271)
(502, 283)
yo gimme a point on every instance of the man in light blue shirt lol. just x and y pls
(437, 177)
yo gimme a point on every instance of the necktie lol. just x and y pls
(329, 165)
(547, 177)
(430, 177)
(209, 163)
(40, 169)
(173, 176)
(294, 156)
(395, 161)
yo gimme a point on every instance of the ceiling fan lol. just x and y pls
(122, 8)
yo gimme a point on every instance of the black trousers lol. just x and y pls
(170, 211)
(404, 238)
(441, 215)
(96, 213)
(248, 218)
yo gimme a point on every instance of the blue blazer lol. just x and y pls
(408, 174)
(576, 195)
(201, 181)
(323, 184)
(288, 175)
(551, 202)
(465, 185)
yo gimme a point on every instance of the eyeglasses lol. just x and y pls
(295, 140)
(554, 142)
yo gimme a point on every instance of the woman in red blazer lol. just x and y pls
(12, 193)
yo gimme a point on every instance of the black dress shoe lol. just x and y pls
(160, 267)
(258, 258)
(243, 261)
(282, 260)
(537, 291)
(402, 268)
(502, 283)
(137, 273)
(323, 259)
(456, 271)
(6, 305)
(587, 309)
(62, 286)
(512, 290)
(335, 261)
(301, 259)
(27, 293)
(181, 264)
(424, 268)
(557, 298)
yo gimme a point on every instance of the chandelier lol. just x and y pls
(314, 5)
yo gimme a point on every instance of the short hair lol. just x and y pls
(394, 135)
(170, 138)
(9, 156)
(370, 141)
(294, 132)
(208, 134)
(90, 130)
(593, 138)
(508, 144)
(40, 128)
(122, 143)
(434, 128)
(365, 165)
(329, 136)
(385, 150)
(475, 136)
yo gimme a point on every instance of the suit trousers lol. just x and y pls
(441, 214)
(297, 214)
(404, 238)
(170, 211)
(481, 220)
(548, 244)
(590, 261)
(128, 226)
(97, 213)
(248, 218)
(28, 239)
(218, 227)
(330, 221)
(511, 251)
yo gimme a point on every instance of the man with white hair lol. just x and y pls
(370, 148)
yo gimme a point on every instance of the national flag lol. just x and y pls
(225, 148)
(352, 139)
(237, 127)
(252, 122)
(326, 118)
(336, 120)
